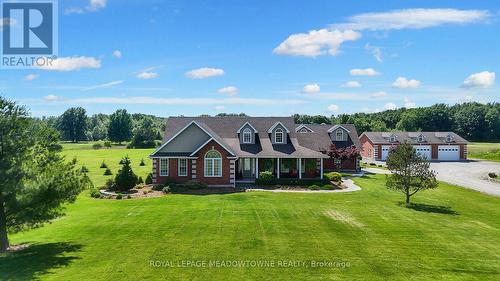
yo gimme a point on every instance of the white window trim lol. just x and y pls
(248, 132)
(337, 135)
(161, 167)
(213, 160)
(179, 167)
(282, 136)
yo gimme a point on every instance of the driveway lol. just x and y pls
(470, 174)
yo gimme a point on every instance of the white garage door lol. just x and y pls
(448, 152)
(385, 152)
(424, 151)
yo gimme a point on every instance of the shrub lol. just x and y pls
(314, 187)
(142, 163)
(373, 164)
(327, 187)
(333, 176)
(145, 192)
(149, 179)
(84, 170)
(492, 175)
(95, 193)
(140, 180)
(110, 183)
(119, 196)
(108, 172)
(107, 144)
(97, 146)
(158, 187)
(381, 166)
(103, 165)
(192, 185)
(74, 161)
(266, 178)
(139, 186)
(125, 179)
(128, 196)
(166, 189)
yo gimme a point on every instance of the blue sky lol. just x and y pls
(264, 57)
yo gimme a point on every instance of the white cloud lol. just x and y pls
(72, 63)
(93, 6)
(147, 75)
(183, 101)
(315, 43)
(411, 19)
(380, 94)
(204, 72)
(333, 107)
(351, 84)
(106, 85)
(364, 72)
(483, 79)
(409, 103)
(375, 51)
(230, 90)
(51, 98)
(404, 83)
(311, 89)
(220, 108)
(117, 54)
(31, 77)
(390, 106)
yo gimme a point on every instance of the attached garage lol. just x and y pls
(448, 153)
(424, 151)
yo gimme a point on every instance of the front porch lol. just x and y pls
(248, 169)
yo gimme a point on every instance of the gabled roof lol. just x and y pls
(412, 137)
(320, 139)
(302, 126)
(276, 124)
(336, 127)
(247, 123)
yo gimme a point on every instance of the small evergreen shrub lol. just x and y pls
(149, 179)
(119, 196)
(166, 189)
(373, 164)
(142, 163)
(266, 178)
(327, 187)
(107, 144)
(97, 146)
(84, 170)
(314, 187)
(103, 165)
(125, 179)
(95, 193)
(110, 184)
(492, 175)
(139, 186)
(158, 187)
(108, 172)
(140, 180)
(333, 176)
(129, 197)
(74, 161)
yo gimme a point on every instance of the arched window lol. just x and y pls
(339, 135)
(278, 136)
(247, 136)
(213, 164)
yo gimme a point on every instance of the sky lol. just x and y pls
(264, 58)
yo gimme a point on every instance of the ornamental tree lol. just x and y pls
(342, 153)
(410, 172)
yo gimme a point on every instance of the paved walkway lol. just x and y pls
(348, 183)
(470, 174)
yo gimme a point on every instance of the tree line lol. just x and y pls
(473, 121)
(140, 129)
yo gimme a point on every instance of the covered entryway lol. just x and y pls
(385, 152)
(246, 169)
(448, 153)
(424, 151)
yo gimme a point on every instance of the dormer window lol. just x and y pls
(393, 138)
(339, 135)
(278, 136)
(449, 138)
(247, 136)
(421, 138)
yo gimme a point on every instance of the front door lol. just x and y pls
(247, 168)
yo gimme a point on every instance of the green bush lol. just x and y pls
(314, 187)
(140, 180)
(84, 170)
(492, 175)
(142, 163)
(166, 189)
(373, 164)
(192, 185)
(266, 178)
(108, 172)
(103, 165)
(158, 187)
(149, 179)
(328, 187)
(129, 197)
(107, 144)
(109, 185)
(95, 193)
(139, 186)
(97, 146)
(333, 176)
(119, 196)
(125, 179)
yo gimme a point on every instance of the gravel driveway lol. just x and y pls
(470, 174)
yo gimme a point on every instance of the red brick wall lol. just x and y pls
(349, 164)
(200, 166)
(173, 171)
(367, 147)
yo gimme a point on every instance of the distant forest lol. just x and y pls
(473, 121)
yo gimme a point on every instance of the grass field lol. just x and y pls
(452, 233)
(485, 151)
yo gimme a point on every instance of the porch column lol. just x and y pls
(278, 169)
(256, 168)
(321, 168)
(300, 168)
(232, 173)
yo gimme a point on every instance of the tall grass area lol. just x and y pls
(485, 151)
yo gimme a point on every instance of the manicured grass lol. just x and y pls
(92, 159)
(485, 151)
(452, 233)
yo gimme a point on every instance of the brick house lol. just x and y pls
(435, 146)
(220, 151)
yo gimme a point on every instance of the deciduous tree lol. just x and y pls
(120, 126)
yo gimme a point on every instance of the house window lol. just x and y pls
(183, 169)
(393, 138)
(213, 164)
(339, 135)
(164, 167)
(278, 136)
(421, 139)
(449, 138)
(247, 136)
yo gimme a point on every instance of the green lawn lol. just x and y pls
(453, 234)
(484, 150)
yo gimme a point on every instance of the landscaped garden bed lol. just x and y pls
(331, 181)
